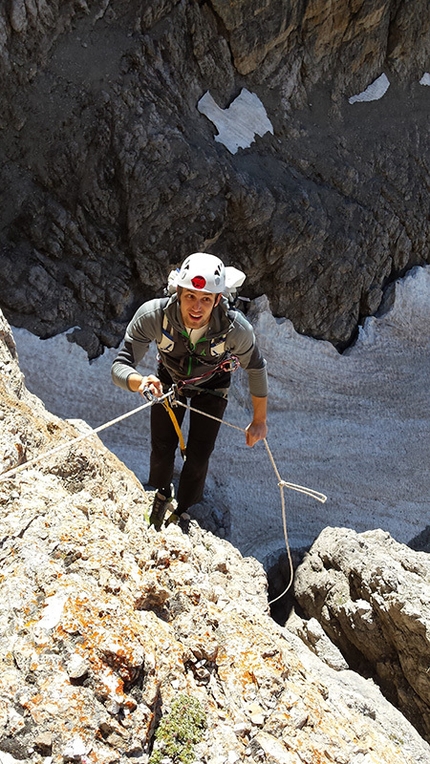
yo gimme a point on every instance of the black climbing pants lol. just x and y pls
(202, 434)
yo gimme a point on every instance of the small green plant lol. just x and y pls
(179, 731)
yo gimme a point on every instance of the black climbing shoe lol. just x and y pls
(159, 508)
(182, 521)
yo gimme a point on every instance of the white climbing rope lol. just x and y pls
(310, 492)
(282, 484)
(13, 471)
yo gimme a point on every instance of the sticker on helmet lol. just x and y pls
(198, 282)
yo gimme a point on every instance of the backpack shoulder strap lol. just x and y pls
(167, 342)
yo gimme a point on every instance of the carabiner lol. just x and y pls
(149, 395)
(172, 394)
(230, 364)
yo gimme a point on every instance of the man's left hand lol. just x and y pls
(254, 432)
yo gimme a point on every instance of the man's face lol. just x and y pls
(196, 307)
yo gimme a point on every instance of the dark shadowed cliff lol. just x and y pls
(110, 173)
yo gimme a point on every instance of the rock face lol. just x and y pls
(371, 596)
(110, 174)
(105, 625)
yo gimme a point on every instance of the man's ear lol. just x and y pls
(218, 300)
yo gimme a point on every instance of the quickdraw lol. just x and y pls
(167, 402)
(167, 405)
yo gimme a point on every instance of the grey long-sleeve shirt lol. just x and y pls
(229, 333)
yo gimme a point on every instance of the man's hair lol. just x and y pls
(180, 289)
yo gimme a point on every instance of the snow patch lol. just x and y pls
(237, 125)
(374, 91)
(425, 79)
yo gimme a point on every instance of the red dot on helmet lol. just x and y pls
(198, 282)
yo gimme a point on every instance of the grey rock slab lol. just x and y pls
(371, 595)
(87, 584)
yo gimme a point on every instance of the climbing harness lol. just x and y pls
(229, 365)
(168, 400)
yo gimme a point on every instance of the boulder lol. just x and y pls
(370, 594)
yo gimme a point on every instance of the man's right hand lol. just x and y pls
(138, 384)
(151, 383)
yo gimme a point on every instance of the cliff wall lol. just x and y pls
(110, 172)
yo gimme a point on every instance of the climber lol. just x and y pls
(196, 331)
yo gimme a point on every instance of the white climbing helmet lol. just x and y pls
(203, 272)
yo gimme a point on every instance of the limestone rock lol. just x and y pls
(314, 636)
(105, 622)
(370, 594)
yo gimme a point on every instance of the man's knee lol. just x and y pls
(163, 448)
(200, 451)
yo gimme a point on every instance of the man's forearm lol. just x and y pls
(134, 381)
(257, 430)
(259, 406)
